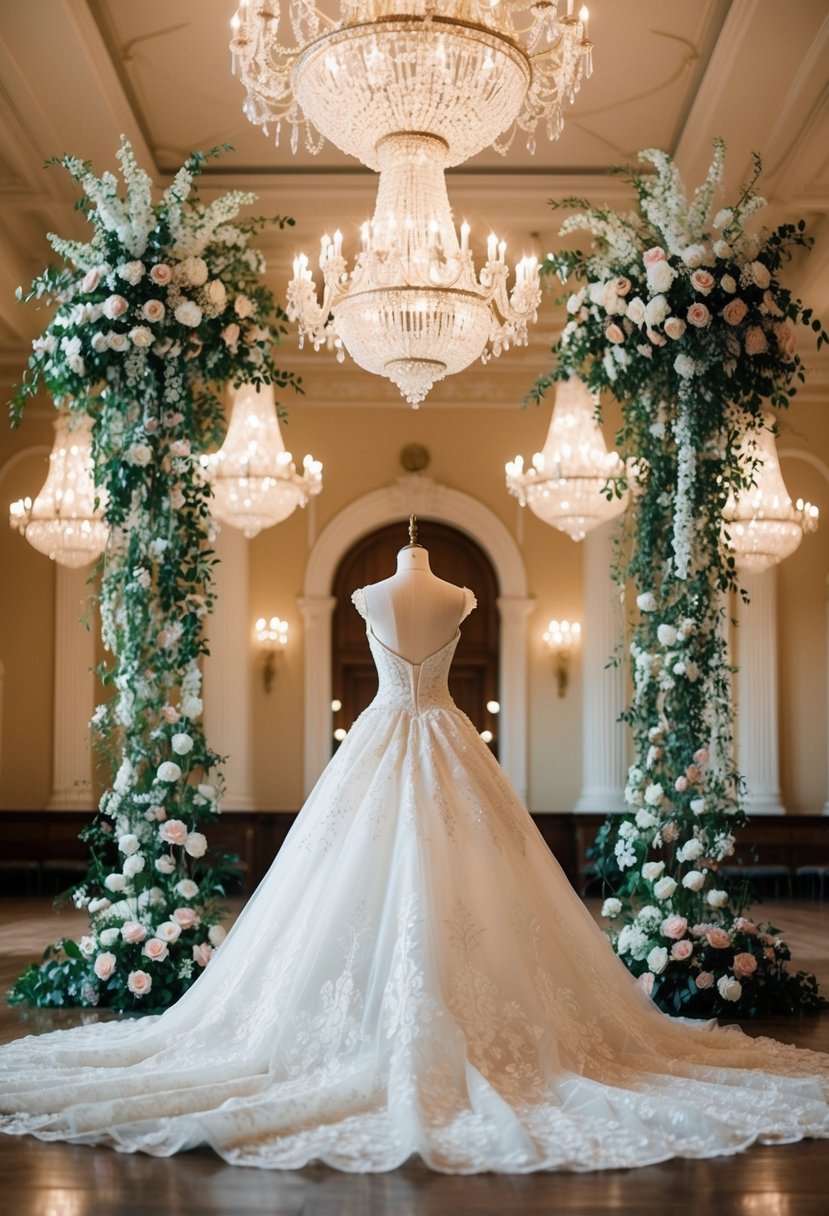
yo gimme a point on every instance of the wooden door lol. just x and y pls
(473, 680)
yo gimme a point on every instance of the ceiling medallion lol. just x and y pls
(411, 93)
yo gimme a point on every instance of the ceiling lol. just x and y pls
(75, 74)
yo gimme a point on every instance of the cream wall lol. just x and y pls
(360, 449)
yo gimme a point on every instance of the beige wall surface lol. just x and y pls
(360, 449)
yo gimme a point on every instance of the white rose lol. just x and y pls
(729, 988)
(141, 337)
(694, 880)
(195, 844)
(652, 869)
(139, 454)
(657, 309)
(698, 805)
(636, 310)
(182, 744)
(674, 328)
(153, 311)
(690, 851)
(129, 844)
(195, 271)
(216, 293)
(188, 313)
(660, 275)
(108, 936)
(98, 905)
(100, 343)
(716, 899)
(666, 635)
(665, 888)
(217, 934)
(243, 307)
(118, 342)
(168, 931)
(133, 865)
(115, 882)
(760, 274)
(654, 794)
(191, 707)
(165, 864)
(646, 602)
(168, 771)
(187, 889)
(658, 960)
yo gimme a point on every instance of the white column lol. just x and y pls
(74, 693)
(316, 615)
(227, 670)
(757, 738)
(512, 683)
(604, 738)
(826, 803)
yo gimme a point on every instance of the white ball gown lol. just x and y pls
(414, 975)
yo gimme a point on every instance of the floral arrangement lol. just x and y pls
(685, 320)
(162, 307)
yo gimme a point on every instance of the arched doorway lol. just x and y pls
(453, 555)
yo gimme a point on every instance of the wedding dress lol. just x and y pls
(415, 975)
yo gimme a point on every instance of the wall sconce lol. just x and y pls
(272, 638)
(560, 638)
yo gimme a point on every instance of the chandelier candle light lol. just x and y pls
(66, 519)
(763, 525)
(570, 484)
(254, 480)
(410, 94)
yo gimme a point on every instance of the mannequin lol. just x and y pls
(414, 613)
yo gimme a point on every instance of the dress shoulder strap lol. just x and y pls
(469, 602)
(358, 599)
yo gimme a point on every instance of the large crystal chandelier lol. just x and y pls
(763, 525)
(411, 87)
(66, 519)
(254, 480)
(570, 481)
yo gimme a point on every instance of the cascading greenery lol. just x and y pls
(684, 320)
(160, 309)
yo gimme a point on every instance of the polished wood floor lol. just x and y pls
(60, 1180)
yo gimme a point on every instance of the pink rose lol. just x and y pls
(674, 927)
(703, 282)
(699, 316)
(734, 311)
(115, 306)
(718, 939)
(180, 447)
(655, 338)
(153, 311)
(156, 950)
(170, 714)
(670, 832)
(132, 931)
(614, 334)
(756, 342)
(645, 982)
(674, 327)
(161, 274)
(786, 341)
(657, 254)
(104, 965)
(176, 499)
(693, 773)
(682, 950)
(681, 785)
(744, 964)
(705, 979)
(173, 831)
(230, 334)
(186, 918)
(202, 954)
(139, 983)
(745, 926)
(91, 279)
(621, 285)
(701, 755)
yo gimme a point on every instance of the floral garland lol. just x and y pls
(164, 305)
(688, 325)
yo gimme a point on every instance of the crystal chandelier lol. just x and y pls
(411, 88)
(763, 525)
(254, 480)
(566, 485)
(66, 519)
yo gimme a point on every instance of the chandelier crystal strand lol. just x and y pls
(465, 70)
(66, 519)
(566, 483)
(763, 525)
(412, 308)
(254, 480)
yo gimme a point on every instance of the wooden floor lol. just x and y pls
(60, 1180)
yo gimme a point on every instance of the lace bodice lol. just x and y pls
(412, 687)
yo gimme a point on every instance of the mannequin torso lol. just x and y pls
(414, 613)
